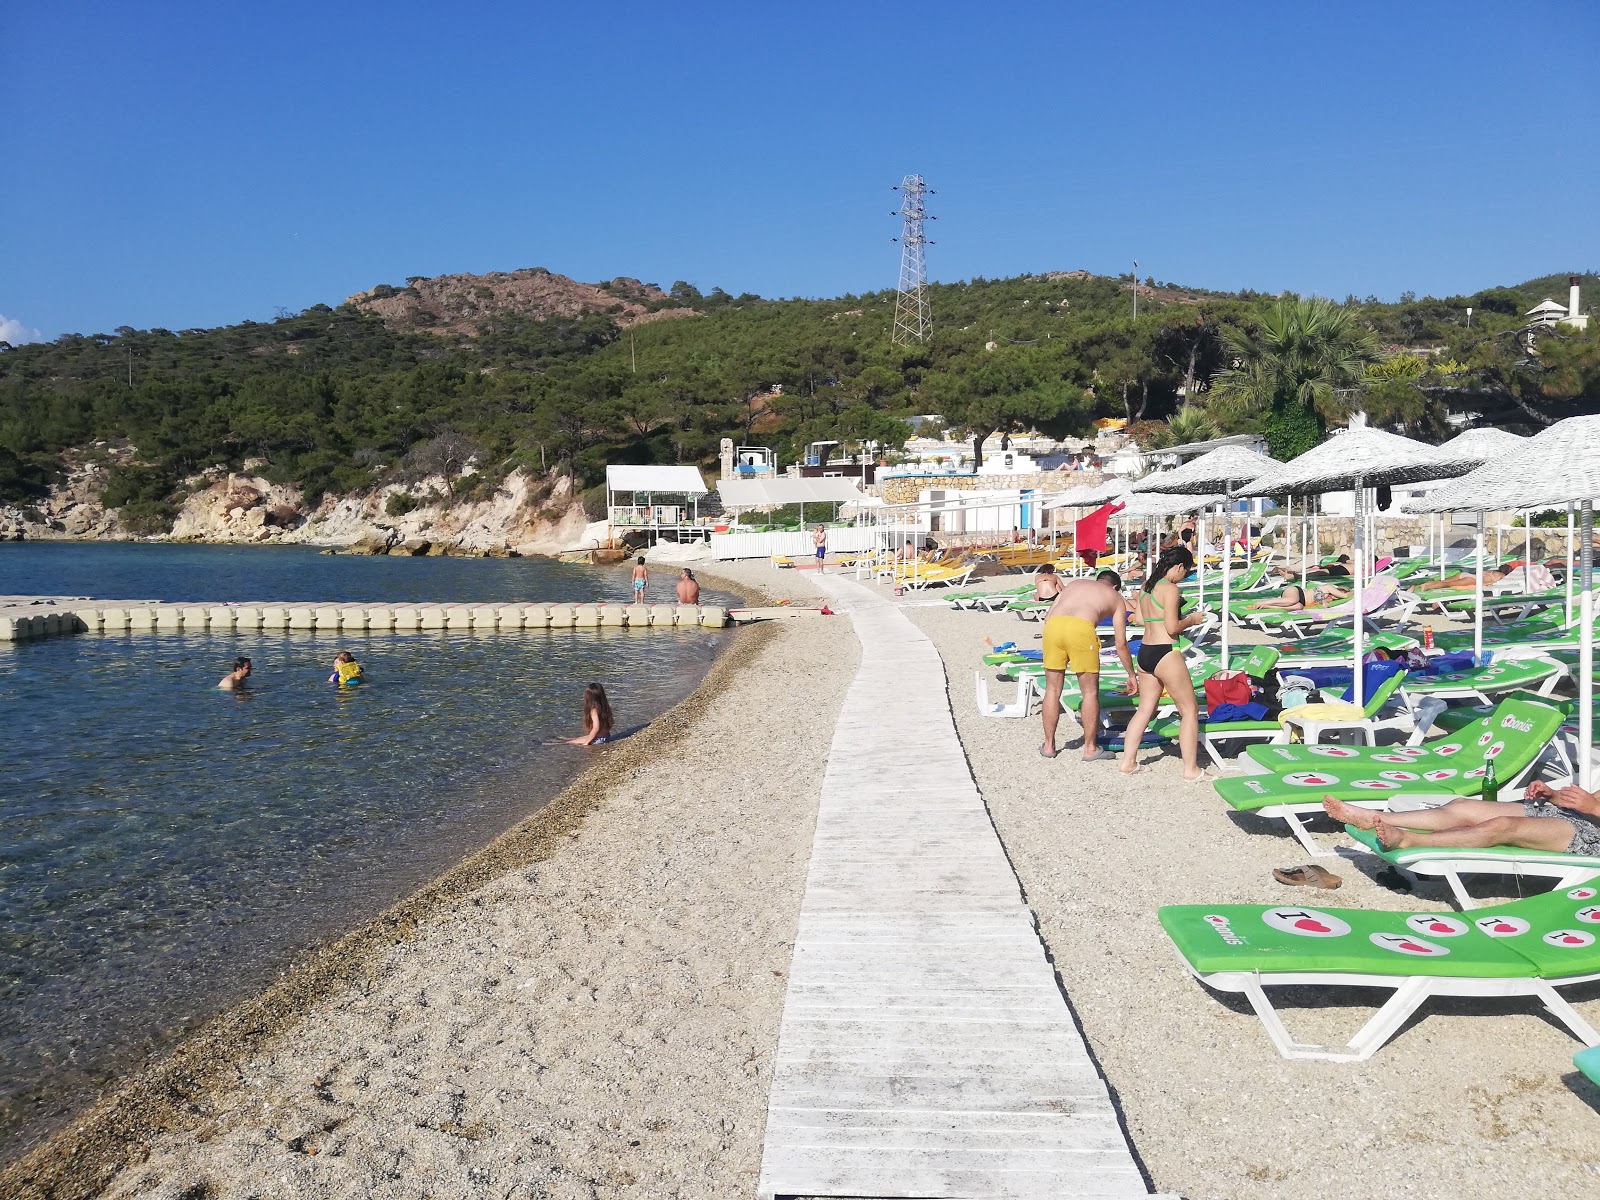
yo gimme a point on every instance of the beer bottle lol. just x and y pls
(1491, 785)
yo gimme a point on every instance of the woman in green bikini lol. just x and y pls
(1162, 667)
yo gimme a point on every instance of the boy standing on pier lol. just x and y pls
(641, 577)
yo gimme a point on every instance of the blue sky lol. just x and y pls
(183, 165)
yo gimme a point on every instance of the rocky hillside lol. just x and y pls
(522, 515)
(459, 305)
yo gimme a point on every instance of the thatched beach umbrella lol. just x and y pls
(1479, 446)
(1355, 460)
(1224, 470)
(1560, 465)
(1090, 495)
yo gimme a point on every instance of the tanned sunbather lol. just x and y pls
(1070, 639)
(1294, 598)
(1564, 822)
(1459, 582)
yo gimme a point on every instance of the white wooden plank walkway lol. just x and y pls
(925, 1048)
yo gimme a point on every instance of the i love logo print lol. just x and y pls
(1569, 939)
(1409, 752)
(1400, 776)
(1374, 785)
(1494, 750)
(1311, 779)
(1486, 737)
(1439, 774)
(1394, 758)
(1591, 914)
(1447, 750)
(1499, 927)
(1437, 924)
(1475, 773)
(1214, 919)
(1583, 893)
(1400, 944)
(1332, 751)
(1305, 922)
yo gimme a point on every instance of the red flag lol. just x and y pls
(1090, 532)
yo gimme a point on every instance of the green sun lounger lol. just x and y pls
(1260, 662)
(1529, 947)
(1451, 863)
(1502, 675)
(1332, 648)
(1296, 778)
(1588, 1062)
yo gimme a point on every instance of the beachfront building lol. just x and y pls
(659, 502)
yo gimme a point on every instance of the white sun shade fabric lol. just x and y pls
(759, 493)
(684, 481)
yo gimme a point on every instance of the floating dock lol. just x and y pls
(27, 618)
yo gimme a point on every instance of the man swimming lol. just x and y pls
(688, 587)
(238, 677)
(1070, 640)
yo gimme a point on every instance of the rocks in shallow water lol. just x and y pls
(412, 546)
(368, 546)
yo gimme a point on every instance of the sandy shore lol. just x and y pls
(1475, 1099)
(587, 1007)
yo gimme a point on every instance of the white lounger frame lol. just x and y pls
(1410, 992)
(1450, 868)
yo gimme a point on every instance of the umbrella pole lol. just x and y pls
(1527, 552)
(1586, 656)
(1200, 554)
(1227, 575)
(1477, 594)
(1288, 531)
(1569, 571)
(1358, 692)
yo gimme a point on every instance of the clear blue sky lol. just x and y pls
(182, 165)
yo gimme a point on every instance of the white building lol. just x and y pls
(1548, 313)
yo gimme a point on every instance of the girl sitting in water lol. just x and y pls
(346, 670)
(596, 718)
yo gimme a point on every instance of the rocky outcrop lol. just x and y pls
(457, 305)
(522, 515)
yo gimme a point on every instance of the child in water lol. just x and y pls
(346, 670)
(596, 718)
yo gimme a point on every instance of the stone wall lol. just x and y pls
(908, 489)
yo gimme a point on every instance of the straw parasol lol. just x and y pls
(1359, 458)
(1220, 470)
(1154, 505)
(1483, 445)
(1216, 470)
(1558, 466)
(1090, 495)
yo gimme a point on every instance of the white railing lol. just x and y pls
(765, 545)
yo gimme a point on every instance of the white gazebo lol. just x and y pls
(659, 500)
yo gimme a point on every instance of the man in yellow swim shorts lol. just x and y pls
(1070, 641)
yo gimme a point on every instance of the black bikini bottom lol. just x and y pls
(1150, 655)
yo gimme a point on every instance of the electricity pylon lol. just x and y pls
(913, 319)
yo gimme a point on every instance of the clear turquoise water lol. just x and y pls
(166, 847)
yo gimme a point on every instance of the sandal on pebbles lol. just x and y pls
(1309, 875)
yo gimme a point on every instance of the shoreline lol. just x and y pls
(171, 1093)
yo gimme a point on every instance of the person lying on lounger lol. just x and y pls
(1565, 821)
(1459, 582)
(1294, 598)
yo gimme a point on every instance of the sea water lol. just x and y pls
(166, 847)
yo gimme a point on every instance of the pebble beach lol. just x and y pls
(590, 1006)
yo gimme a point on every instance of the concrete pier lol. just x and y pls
(26, 618)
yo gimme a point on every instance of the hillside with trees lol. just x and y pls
(530, 370)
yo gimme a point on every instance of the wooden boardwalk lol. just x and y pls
(925, 1048)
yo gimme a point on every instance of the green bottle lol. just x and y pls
(1491, 785)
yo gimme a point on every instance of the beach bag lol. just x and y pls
(1295, 690)
(1227, 687)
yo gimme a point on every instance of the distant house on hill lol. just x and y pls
(1549, 313)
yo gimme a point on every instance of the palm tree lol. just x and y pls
(1291, 368)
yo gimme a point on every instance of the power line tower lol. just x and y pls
(913, 319)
